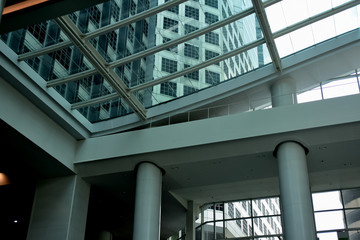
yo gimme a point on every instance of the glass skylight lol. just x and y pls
(113, 59)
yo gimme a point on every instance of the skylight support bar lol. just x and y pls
(74, 34)
(198, 66)
(265, 27)
(187, 37)
(316, 18)
(72, 77)
(94, 101)
(127, 21)
(180, 40)
(45, 50)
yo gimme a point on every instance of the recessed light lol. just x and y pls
(15, 221)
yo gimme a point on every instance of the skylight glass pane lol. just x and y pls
(323, 30)
(340, 88)
(208, 76)
(318, 32)
(310, 95)
(347, 20)
(106, 110)
(107, 13)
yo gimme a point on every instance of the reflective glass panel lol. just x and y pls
(329, 220)
(310, 95)
(265, 207)
(239, 209)
(340, 88)
(353, 218)
(267, 226)
(238, 228)
(208, 231)
(208, 213)
(327, 201)
(351, 198)
(219, 211)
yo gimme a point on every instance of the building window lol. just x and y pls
(211, 18)
(192, 12)
(212, 38)
(188, 90)
(170, 24)
(231, 210)
(225, 32)
(115, 11)
(132, 8)
(245, 228)
(224, 15)
(95, 16)
(193, 75)
(212, 3)
(145, 28)
(171, 49)
(38, 31)
(230, 29)
(168, 88)
(64, 57)
(188, 28)
(191, 51)
(210, 54)
(112, 38)
(226, 70)
(168, 65)
(238, 221)
(212, 78)
(173, 9)
(131, 33)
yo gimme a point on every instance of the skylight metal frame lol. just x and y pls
(81, 40)
(315, 18)
(45, 50)
(189, 36)
(94, 57)
(72, 77)
(265, 27)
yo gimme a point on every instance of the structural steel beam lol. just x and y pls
(74, 34)
(265, 27)
(93, 101)
(72, 77)
(45, 50)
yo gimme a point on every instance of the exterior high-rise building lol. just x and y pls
(191, 16)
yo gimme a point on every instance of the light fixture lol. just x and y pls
(22, 5)
(4, 179)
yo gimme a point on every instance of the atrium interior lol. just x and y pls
(180, 119)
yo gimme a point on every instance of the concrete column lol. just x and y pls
(295, 195)
(190, 221)
(60, 209)
(283, 92)
(147, 202)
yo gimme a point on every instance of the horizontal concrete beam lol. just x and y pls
(222, 137)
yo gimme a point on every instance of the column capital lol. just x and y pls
(287, 141)
(138, 164)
